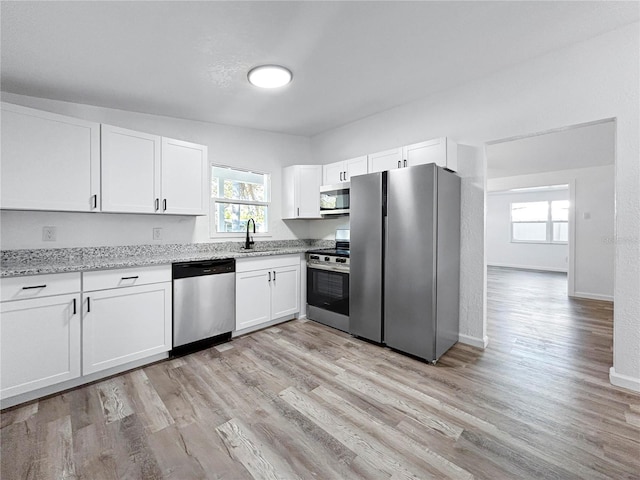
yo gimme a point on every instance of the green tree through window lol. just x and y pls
(237, 196)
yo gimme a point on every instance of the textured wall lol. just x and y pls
(589, 81)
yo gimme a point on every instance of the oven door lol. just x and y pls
(328, 288)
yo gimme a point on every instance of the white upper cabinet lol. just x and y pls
(49, 161)
(59, 163)
(130, 171)
(301, 191)
(386, 160)
(185, 180)
(333, 173)
(441, 151)
(143, 173)
(339, 172)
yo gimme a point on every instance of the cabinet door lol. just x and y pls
(285, 291)
(356, 166)
(125, 324)
(130, 171)
(308, 191)
(40, 343)
(387, 160)
(49, 161)
(333, 173)
(185, 182)
(433, 151)
(253, 298)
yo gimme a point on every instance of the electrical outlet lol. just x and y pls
(157, 233)
(49, 234)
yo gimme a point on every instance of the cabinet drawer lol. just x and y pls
(267, 262)
(125, 277)
(36, 286)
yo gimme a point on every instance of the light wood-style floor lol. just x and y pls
(301, 400)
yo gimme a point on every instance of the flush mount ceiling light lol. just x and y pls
(269, 76)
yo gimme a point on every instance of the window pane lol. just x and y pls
(233, 217)
(530, 212)
(560, 232)
(530, 232)
(234, 184)
(560, 210)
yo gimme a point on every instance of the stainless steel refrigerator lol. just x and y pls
(405, 259)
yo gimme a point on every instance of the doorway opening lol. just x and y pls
(548, 233)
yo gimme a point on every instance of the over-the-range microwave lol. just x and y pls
(334, 199)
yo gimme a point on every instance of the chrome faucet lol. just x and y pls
(249, 240)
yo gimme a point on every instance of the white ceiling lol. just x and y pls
(349, 59)
(577, 147)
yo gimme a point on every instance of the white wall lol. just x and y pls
(502, 252)
(594, 252)
(589, 81)
(240, 147)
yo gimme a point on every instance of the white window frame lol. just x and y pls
(213, 233)
(549, 224)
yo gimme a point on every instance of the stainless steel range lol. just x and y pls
(328, 284)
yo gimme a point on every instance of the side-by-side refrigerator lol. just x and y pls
(405, 259)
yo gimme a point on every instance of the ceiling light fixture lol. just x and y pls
(269, 76)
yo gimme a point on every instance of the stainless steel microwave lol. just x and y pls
(334, 199)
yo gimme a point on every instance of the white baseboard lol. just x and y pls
(624, 381)
(527, 267)
(593, 296)
(474, 341)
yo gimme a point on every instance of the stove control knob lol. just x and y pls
(326, 259)
(341, 260)
(314, 257)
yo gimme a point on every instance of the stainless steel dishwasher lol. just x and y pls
(204, 304)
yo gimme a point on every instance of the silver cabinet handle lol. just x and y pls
(130, 278)
(164, 204)
(399, 163)
(405, 163)
(35, 286)
(345, 176)
(274, 275)
(74, 306)
(95, 201)
(157, 204)
(298, 211)
(269, 276)
(88, 304)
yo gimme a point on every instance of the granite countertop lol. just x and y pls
(33, 262)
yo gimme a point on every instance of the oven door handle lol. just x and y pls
(328, 268)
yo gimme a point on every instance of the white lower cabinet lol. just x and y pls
(266, 289)
(125, 321)
(40, 341)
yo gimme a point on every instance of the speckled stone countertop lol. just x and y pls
(59, 260)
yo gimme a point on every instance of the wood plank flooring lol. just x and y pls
(301, 400)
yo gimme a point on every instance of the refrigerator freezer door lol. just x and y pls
(366, 274)
(410, 263)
